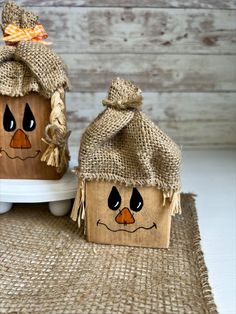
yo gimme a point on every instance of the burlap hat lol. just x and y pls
(27, 65)
(122, 144)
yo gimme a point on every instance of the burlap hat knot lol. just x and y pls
(28, 65)
(123, 145)
(123, 95)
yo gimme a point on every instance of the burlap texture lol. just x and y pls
(46, 267)
(28, 66)
(18, 16)
(123, 145)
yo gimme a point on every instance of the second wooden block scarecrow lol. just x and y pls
(129, 184)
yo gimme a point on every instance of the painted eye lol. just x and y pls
(29, 123)
(9, 121)
(114, 199)
(136, 201)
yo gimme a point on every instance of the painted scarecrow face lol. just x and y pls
(117, 214)
(22, 124)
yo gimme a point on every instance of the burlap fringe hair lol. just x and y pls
(174, 199)
(78, 210)
(56, 135)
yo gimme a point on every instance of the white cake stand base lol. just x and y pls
(57, 192)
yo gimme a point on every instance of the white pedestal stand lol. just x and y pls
(57, 192)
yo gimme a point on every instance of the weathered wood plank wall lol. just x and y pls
(181, 53)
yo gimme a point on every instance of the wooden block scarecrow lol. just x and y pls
(33, 131)
(129, 175)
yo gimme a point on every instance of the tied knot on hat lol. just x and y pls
(21, 25)
(123, 94)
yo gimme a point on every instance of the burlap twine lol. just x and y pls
(46, 267)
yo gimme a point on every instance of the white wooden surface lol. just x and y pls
(38, 191)
(212, 175)
(57, 192)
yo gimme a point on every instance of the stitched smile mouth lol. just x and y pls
(145, 228)
(37, 152)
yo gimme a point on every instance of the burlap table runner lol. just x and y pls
(47, 267)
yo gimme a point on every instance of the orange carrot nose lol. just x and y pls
(125, 217)
(20, 140)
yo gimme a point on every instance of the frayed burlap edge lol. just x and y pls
(204, 278)
(126, 181)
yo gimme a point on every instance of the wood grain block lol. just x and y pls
(21, 146)
(116, 214)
